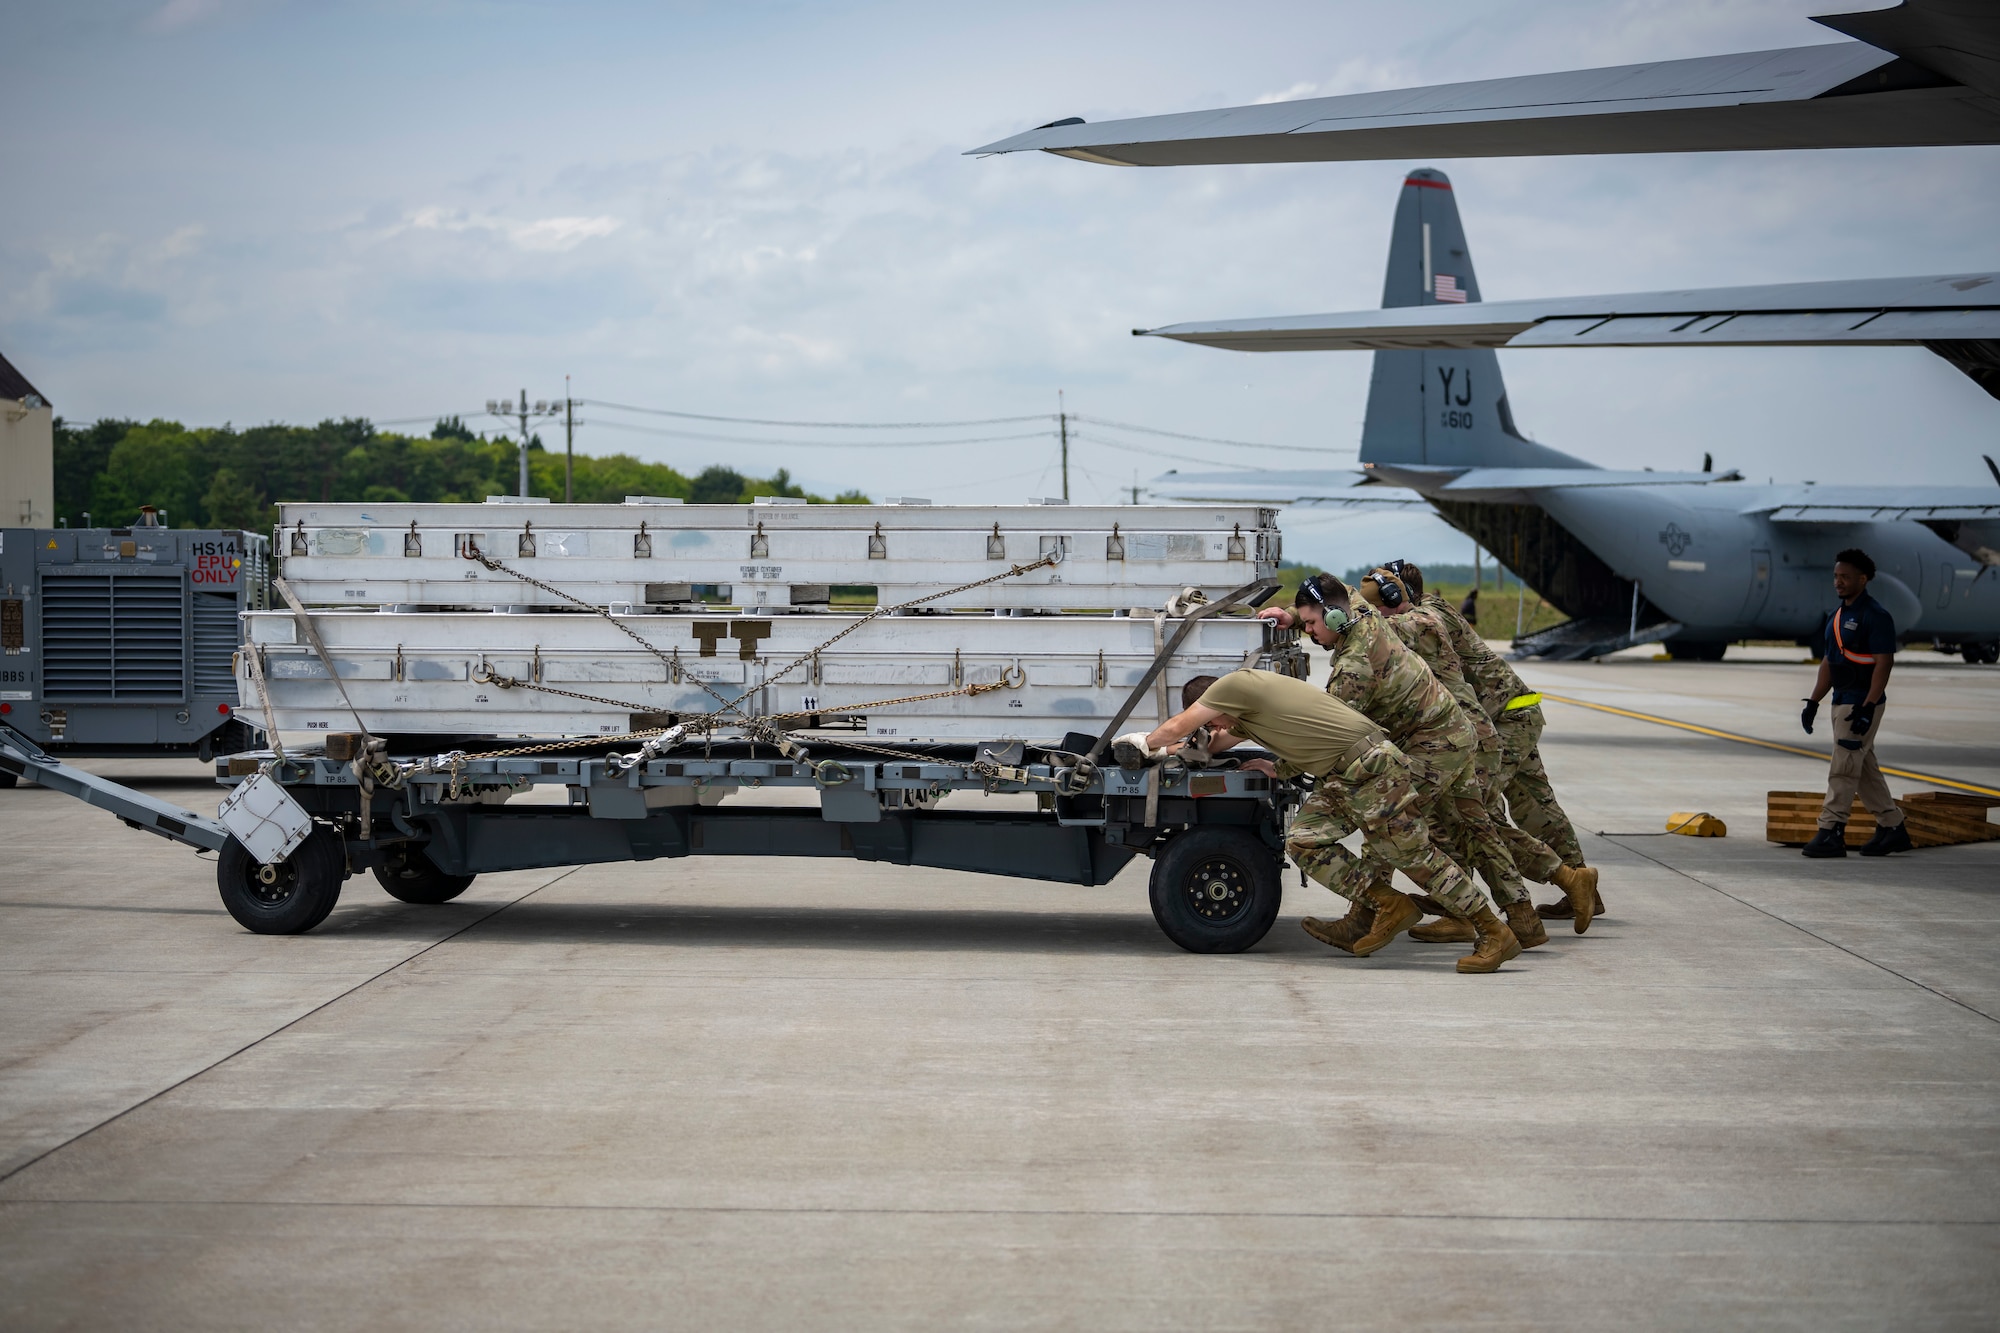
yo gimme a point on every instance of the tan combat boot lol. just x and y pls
(1562, 910)
(1579, 885)
(1444, 930)
(1394, 914)
(1341, 934)
(1527, 926)
(1496, 943)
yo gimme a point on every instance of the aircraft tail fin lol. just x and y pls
(1443, 408)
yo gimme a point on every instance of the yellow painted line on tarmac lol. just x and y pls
(1954, 783)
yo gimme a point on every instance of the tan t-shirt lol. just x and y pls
(1310, 730)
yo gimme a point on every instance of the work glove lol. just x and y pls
(1861, 718)
(1807, 714)
(1194, 750)
(1132, 752)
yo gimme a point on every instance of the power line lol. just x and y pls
(987, 481)
(822, 425)
(418, 421)
(1150, 452)
(1205, 439)
(819, 444)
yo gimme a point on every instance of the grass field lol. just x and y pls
(1496, 608)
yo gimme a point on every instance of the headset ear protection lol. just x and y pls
(1388, 593)
(1336, 618)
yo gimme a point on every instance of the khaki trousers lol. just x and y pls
(1854, 772)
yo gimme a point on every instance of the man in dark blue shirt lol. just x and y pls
(1859, 652)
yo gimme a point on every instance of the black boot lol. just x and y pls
(1828, 842)
(1888, 840)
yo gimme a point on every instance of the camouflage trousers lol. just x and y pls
(1454, 782)
(1376, 794)
(1526, 856)
(1525, 783)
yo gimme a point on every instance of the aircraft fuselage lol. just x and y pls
(1726, 574)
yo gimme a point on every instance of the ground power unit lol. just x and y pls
(121, 641)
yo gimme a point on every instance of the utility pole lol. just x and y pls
(500, 407)
(569, 442)
(1062, 420)
(524, 443)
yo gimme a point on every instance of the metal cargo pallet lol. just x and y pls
(769, 556)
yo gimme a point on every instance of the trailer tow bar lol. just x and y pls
(23, 758)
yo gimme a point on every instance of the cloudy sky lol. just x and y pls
(251, 210)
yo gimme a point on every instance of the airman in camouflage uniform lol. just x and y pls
(1377, 794)
(1506, 700)
(1362, 781)
(1374, 673)
(1483, 838)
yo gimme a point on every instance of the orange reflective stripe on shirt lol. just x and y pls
(1860, 659)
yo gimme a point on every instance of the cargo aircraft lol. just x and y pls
(1694, 559)
(1698, 559)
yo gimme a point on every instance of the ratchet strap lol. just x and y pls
(1257, 590)
(319, 648)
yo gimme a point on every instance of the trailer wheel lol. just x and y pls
(411, 876)
(1216, 890)
(289, 898)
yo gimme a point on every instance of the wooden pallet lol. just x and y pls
(1934, 818)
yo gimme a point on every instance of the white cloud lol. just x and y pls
(178, 14)
(1355, 75)
(558, 233)
(181, 242)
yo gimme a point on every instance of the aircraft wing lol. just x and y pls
(1952, 512)
(1885, 511)
(1956, 315)
(1925, 72)
(1846, 312)
(1312, 488)
(1406, 486)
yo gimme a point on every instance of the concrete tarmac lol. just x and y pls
(710, 1093)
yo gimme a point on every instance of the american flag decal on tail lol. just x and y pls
(1445, 287)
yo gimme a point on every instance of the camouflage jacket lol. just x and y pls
(1491, 678)
(1425, 634)
(1373, 673)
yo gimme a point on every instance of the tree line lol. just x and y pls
(223, 477)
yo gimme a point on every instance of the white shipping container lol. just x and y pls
(470, 673)
(769, 555)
